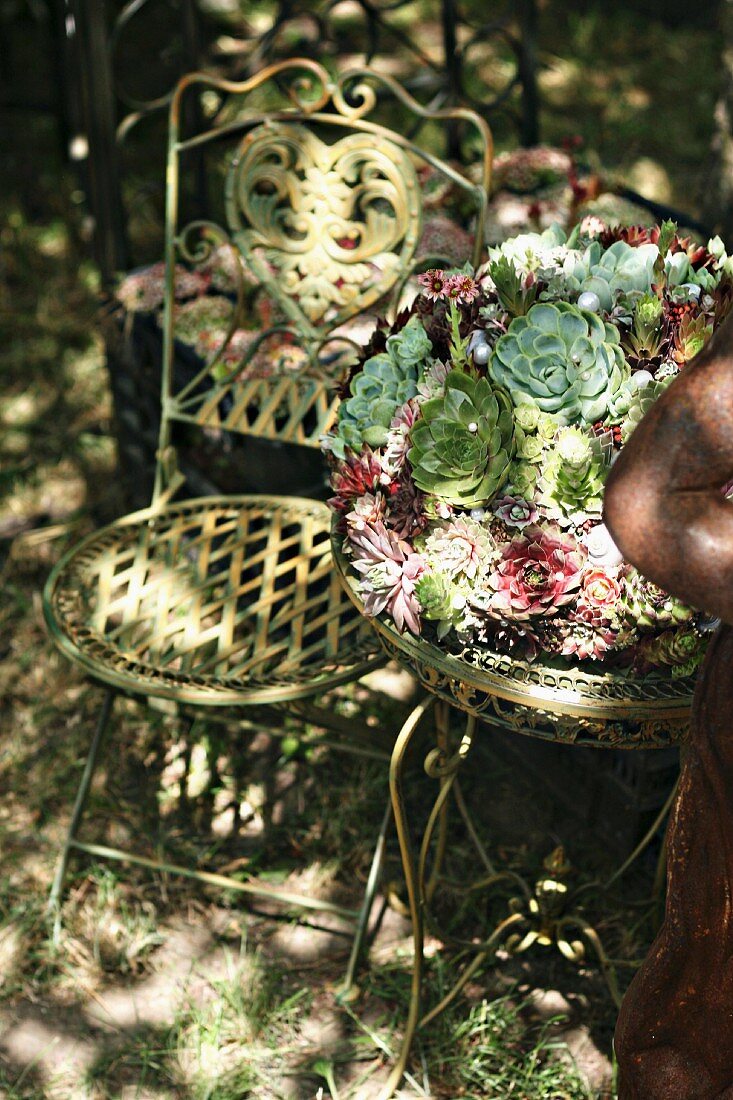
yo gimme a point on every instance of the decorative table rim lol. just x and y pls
(583, 707)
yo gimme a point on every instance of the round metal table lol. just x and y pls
(564, 703)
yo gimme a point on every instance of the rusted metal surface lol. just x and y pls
(664, 505)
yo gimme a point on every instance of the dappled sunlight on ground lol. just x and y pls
(166, 989)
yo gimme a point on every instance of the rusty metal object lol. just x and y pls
(664, 505)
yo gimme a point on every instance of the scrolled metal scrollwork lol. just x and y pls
(337, 223)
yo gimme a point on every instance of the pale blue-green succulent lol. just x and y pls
(384, 384)
(562, 359)
(618, 271)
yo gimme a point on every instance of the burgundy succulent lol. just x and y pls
(406, 514)
(354, 477)
(589, 634)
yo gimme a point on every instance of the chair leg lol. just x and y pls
(349, 990)
(54, 900)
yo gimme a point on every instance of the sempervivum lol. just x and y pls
(460, 546)
(463, 442)
(649, 606)
(572, 477)
(590, 635)
(539, 572)
(442, 601)
(638, 405)
(356, 475)
(562, 359)
(389, 571)
(680, 650)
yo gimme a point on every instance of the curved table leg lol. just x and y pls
(442, 766)
(415, 901)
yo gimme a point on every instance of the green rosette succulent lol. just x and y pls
(639, 404)
(522, 478)
(384, 384)
(441, 601)
(647, 606)
(464, 441)
(562, 359)
(572, 478)
(680, 650)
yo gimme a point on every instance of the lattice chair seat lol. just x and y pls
(211, 601)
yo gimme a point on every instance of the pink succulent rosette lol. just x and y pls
(390, 569)
(539, 573)
(600, 591)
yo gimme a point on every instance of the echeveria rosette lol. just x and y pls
(539, 573)
(463, 442)
(620, 271)
(562, 359)
(385, 383)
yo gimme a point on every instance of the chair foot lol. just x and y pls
(53, 908)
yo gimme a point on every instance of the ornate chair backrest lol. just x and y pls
(321, 214)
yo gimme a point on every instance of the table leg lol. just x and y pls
(440, 765)
(537, 915)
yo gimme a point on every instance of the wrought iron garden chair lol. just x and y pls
(320, 221)
(223, 605)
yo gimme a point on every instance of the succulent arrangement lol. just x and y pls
(476, 435)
